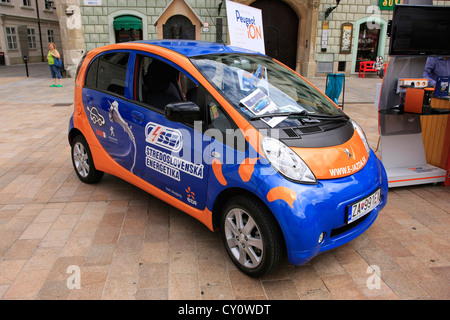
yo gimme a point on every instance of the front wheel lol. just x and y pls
(251, 236)
(82, 161)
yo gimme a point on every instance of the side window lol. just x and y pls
(108, 73)
(156, 83)
(112, 71)
(91, 76)
(140, 89)
(189, 88)
(218, 124)
(218, 118)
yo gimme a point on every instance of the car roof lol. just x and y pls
(191, 48)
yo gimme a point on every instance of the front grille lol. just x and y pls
(291, 133)
(310, 129)
(341, 230)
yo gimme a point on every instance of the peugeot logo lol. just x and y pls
(347, 152)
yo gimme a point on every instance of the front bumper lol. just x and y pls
(322, 208)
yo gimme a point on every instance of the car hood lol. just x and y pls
(335, 161)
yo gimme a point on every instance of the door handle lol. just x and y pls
(137, 116)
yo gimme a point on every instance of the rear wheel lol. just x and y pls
(251, 236)
(82, 161)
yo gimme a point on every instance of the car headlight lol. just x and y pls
(362, 135)
(286, 161)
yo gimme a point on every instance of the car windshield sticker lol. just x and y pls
(214, 112)
(164, 137)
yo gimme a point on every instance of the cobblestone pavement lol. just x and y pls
(129, 245)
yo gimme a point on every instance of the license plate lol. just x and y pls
(364, 206)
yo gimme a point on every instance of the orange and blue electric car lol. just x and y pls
(231, 137)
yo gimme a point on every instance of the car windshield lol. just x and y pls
(260, 87)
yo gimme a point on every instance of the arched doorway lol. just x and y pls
(280, 30)
(369, 40)
(178, 27)
(178, 20)
(127, 28)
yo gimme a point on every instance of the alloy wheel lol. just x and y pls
(243, 238)
(81, 159)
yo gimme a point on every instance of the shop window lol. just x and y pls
(128, 35)
(367, 44)
(127, 28)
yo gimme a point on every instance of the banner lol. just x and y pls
(245, 26)
(388, 4)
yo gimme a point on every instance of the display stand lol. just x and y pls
(403, 155)
(401, 143)
(447, 177)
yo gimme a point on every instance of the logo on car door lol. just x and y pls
(164, 137)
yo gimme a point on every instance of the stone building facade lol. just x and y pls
(98, 20)
(314, 37)
(354, 31)
(209, 21)
(26, 28)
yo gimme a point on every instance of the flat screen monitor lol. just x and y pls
(420, 30)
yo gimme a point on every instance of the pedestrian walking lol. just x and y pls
(54, 62)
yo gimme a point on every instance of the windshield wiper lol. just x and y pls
(329, 117)
(279, 114)
(303, 114)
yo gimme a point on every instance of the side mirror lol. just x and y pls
(184, 112)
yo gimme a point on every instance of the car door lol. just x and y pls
(105, 103)
(169, 154)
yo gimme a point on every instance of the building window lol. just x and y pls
(48, 5)
(50, 36)
(26, 3)
(31, 38)
(11, 38)
(5, 1)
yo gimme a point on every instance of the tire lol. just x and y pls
(83, 162)
(251, 236)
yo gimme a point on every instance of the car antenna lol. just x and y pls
(212, 20)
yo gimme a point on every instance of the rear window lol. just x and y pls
(108, 73)
(79, 65)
